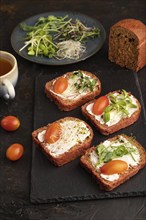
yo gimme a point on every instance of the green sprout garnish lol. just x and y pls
(120, 103)
(82, 82)
(43, 37)
(113, 151)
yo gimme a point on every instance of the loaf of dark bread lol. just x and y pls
(108, 183)
(127, 44)
(56, 152)
(105, 129)
(67, 104)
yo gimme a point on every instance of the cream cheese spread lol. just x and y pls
(73, 132)
(127, 158)
(72, 92)
(115, 116)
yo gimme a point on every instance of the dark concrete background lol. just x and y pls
(15, 176)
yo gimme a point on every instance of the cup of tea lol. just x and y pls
(8, 75)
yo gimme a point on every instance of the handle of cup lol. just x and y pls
(10, 89)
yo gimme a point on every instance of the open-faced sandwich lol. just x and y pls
(64, 140)
(73, 89)
(112, 112)
(114, 161)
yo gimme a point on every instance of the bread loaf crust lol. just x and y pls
(135, 26)
(68, 156)
(138, 31)
(110, 185)
(68, 105)
(105, 129)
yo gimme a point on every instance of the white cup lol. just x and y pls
(8, 81)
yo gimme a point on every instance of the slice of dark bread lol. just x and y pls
(127, 174)
(70, 104)
(105, 129)
(72, 153)
(127, 44)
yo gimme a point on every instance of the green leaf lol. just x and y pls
(124, 93)
(105, 155)
(108, 108)
(83, 83)
(100, 148)
(125, 111)
(131, 105)
(116, 107)
(31, 52)
(45, 51)
(26, 27)
(120, 151)
(41, 19)
(121, 103)
(108, 156)
(52, 18)
(106, 117)
(80, 74)
(112, 98)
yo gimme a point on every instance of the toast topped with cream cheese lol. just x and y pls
(73, 89)
(112, 112)
(114, 161)
(64, 140)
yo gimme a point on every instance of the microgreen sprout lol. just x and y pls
(82, 82)
(52, 34)
(122, 102)
(114, 151)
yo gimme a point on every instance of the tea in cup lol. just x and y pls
(8, 75)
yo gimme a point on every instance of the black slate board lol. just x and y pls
(71, 182)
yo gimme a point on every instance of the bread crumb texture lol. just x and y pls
(127, 44)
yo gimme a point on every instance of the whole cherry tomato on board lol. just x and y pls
(114, 166)
(99, 105)
(14, 151)
(60, 85)
(10, 123)
(53, 133)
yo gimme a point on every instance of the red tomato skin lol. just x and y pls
(60, 85)
(14, 152)
(99, 105)
(10, 123)
(114, 166)
(53, 133)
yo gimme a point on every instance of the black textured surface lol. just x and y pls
(15, 177)
(71, 182)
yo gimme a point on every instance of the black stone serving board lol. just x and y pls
(71, 182)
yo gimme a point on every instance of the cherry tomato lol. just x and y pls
(14, 152)
(99, 105)
(114, 166)
(10, 123)
(53, 133)
(60, 85)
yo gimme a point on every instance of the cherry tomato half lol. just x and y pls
(60, 85)
(53, 133)
(10, 123)
(14, 152)
(99, 105)
(114, 166)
